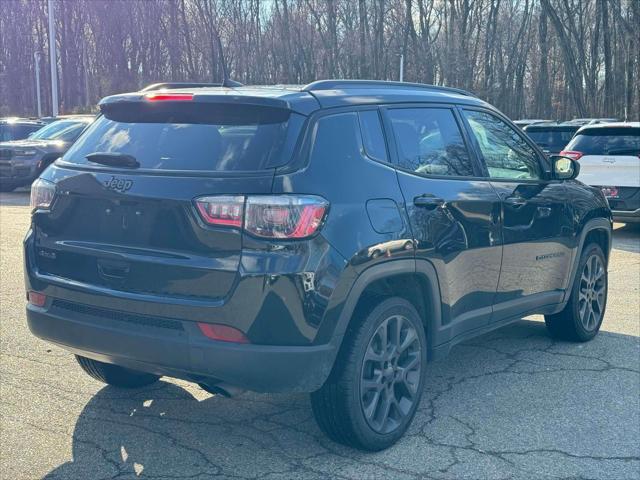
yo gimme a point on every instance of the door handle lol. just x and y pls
(430, 203)
(515, 201)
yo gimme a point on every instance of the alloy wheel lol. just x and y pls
(592, 293)
(391, 372)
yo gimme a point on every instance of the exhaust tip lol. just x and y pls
(226, 390)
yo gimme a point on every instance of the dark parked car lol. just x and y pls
(17, 128)
(329, 239)
(591, 121)
(528, 121)
(552, 137)
(21, 161)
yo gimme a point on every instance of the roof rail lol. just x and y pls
(175, 85)
(334, 84)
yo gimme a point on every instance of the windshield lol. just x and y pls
(64, 130)
(16, 132)
(551, 139)
(607, 141)
(229, 138)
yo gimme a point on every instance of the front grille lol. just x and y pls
(117, 315)
(5, 153)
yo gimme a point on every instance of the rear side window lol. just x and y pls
(372, 135)
(429, 142)
(338, 137)
(607, 141)
(201, 137)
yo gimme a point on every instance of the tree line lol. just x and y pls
(530, 58)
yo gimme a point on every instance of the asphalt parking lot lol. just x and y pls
(511, 404)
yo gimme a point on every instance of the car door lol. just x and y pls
(536, 216)
(454, 214)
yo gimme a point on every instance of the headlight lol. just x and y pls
(42, 193)
(24, 153)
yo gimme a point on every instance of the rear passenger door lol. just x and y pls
(454, 213)
(536, 217)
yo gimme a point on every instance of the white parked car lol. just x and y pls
(609, 156)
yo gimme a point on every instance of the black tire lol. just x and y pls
(582, 317)
(339, 406)
(114, 375)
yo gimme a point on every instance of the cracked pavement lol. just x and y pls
(512, 404)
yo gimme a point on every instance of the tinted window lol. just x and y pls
(16, 132)
(607, 141)
(372, 136)
(505, 152)
(429, 142)
(338, 137)
(206, 138)
(65, 130)
(551, 139)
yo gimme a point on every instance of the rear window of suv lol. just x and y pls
(607, 141)
(200, 137)
(554, 139)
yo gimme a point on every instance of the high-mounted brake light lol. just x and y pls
(287, 217)
(169, 97)
(572, 154)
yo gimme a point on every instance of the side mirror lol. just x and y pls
(564, 168)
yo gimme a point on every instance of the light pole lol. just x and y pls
(36, 60)
(53, 59)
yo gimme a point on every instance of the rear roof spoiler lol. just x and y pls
(228, 83)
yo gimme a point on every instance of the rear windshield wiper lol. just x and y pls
(114, 159)
(623, 151)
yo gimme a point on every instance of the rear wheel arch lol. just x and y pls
(414, 281)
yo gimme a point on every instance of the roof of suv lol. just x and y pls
(17, 120)
(306, 99)
(604, 126)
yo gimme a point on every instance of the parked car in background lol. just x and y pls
(552, 137)
(609, 156)
(526, 121)
(47, 120)
(21, 161)
(328, 239)
(18, 128)
(590, 121)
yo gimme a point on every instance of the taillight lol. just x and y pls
(222, 210)
(169, 97)
(571, 154)
(266, 216)
(42, 193)
(37, 299)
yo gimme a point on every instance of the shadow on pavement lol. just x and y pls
(19, 198)
(627, 237)
(510, 404)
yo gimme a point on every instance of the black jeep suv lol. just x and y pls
(330, 239)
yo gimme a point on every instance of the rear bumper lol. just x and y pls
(626, 216)
(180, 350)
